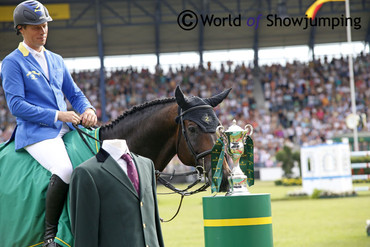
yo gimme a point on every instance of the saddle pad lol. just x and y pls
(23, 185)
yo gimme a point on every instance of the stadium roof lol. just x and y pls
(151, 26)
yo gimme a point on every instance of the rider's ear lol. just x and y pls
(180, 98)
(217, 99)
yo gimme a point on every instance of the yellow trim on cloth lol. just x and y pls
(43, 242)
(238, 222)
(36, 244)
(62, 241)
(23, 49)
(96, 137)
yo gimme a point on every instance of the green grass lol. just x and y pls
(338, 222)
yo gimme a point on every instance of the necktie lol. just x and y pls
(132, 172)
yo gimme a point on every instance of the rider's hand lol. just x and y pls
(69, 117)
(89, 118)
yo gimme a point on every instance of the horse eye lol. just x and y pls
(192, 129)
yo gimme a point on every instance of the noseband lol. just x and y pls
(196, 156)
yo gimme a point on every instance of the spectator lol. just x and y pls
(306, 103)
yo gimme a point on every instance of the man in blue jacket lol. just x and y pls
(35, 82)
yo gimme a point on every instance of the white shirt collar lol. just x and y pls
(34, 52)
(40, 58)
(116, 148)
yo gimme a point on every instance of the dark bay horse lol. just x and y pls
(151, 130)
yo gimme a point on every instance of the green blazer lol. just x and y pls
(105, 208)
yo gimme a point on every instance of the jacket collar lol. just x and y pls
(112, 167)
(102, 155)
(25, 51)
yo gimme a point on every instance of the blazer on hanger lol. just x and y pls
(105, 208)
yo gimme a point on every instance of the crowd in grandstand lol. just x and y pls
(305, 103)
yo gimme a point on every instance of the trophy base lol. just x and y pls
(238, 185)
(237, 193)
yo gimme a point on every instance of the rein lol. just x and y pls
(199, 171)
(80, 132)
(183, 192)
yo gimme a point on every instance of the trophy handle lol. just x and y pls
(220, 131)
(249, 129)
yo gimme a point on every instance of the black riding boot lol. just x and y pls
(55, 198)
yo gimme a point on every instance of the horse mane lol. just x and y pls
(137, 108)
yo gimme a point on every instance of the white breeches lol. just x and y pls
(53, 156)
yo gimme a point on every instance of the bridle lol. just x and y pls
(200, 168)
(184, 133)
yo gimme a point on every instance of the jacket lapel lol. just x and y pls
(50, 69)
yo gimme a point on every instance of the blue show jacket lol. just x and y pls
(33, 99)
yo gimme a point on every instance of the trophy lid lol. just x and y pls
(234, 127)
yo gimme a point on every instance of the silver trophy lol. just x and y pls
(234, 139)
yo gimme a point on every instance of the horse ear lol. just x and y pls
(217, 99)
(180, 98)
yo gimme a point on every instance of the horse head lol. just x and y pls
(197, 131)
